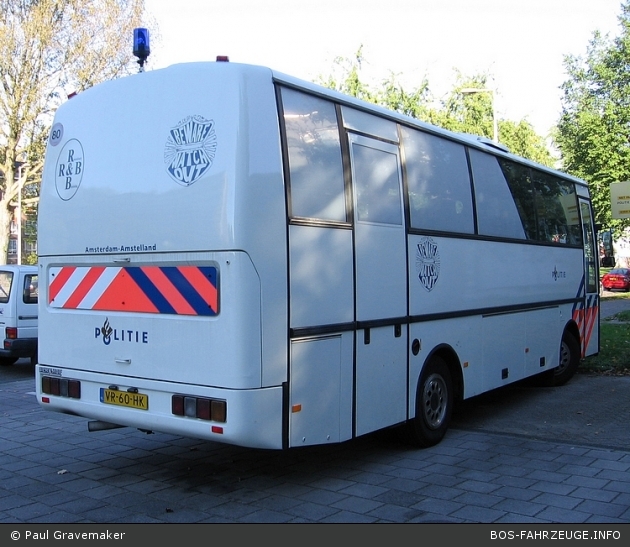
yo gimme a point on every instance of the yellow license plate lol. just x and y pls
(125, 398)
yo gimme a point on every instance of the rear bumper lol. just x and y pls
(20, 347)
(254, 416)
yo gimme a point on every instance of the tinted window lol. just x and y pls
(439, 183)
(546, 204)
(496, 211)
(589, 249)
(557, 209)
(6, 278)
(31, 289)
(522, 190)
(315, 167)
(377, 184)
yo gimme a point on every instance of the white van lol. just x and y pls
(18, 312)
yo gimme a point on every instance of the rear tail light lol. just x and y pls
(61, 387)
(11, 333)
(199, 407)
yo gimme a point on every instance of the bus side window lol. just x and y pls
(439, 184)
(377, 185)
(316, 182)
(497, 214)
(556, 203)
(519, 181)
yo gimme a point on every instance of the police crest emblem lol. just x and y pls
(190, 149)
(428, 263)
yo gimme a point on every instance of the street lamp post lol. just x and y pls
(19, 165)
(495, 126)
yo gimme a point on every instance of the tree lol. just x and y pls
(345, 78)
(522, 139)
(49, 48)
(593, 133)
(469, 112)
(460, 112)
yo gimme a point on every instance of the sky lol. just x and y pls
(519, 44)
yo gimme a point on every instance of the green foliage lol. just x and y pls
(345, 78)
(391, 95)
(467, 112)
(594, 129)
(614, 355)
(462, 112)
(522, 139)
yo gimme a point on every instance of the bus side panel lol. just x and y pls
(542, 351)
(485, 291)
(321, 276)
(492, 351)
(454, 275)
(462, 335)
(321, 390)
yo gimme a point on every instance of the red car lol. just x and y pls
(619, 278)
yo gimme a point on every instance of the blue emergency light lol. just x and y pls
(141, 47)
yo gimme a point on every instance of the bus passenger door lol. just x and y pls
(586, 314)
(380, 285)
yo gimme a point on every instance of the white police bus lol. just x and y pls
(233, 254)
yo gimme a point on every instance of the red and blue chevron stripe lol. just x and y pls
(178, 290)
(585, 314)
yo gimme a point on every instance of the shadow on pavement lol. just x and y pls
(589, 410)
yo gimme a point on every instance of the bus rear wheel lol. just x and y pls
(569, 361)
(434, 405)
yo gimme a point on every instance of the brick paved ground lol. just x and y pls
(559, 455)
(53, 470)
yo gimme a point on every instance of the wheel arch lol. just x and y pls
(450, 357)
(572, 328)
(441, 370)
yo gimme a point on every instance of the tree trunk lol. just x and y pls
(623, 262)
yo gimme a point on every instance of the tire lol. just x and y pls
(570, 354)
(434, 405)
(6, 361)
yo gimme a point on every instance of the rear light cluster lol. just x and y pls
(10, 334)
(63, 387)
(199, 407)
